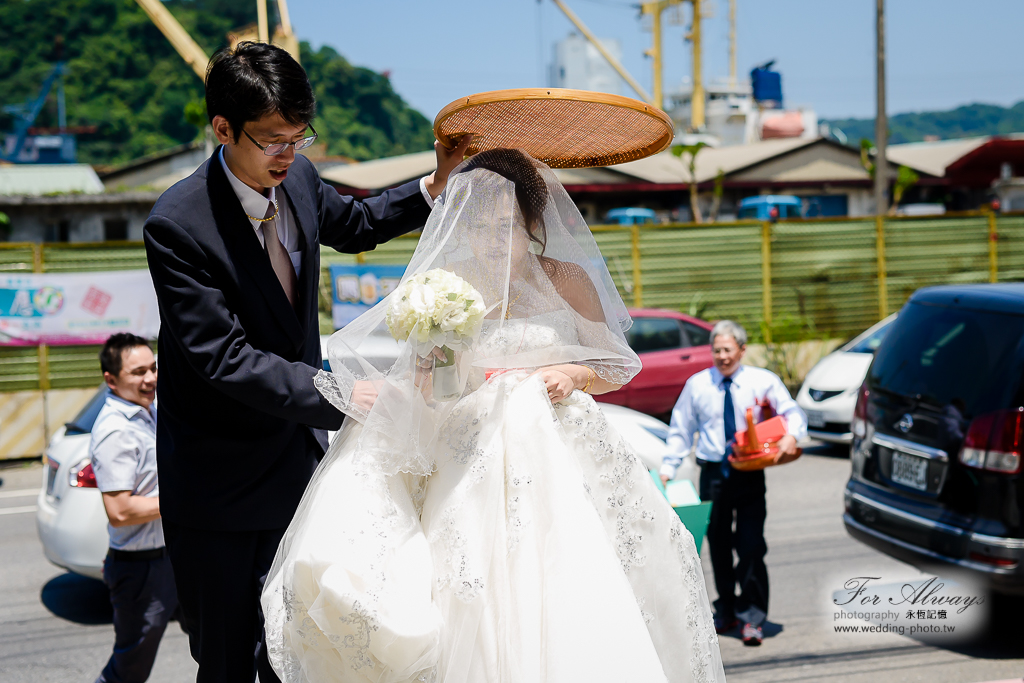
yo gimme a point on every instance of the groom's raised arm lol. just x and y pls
(353, 226)
(196, 315)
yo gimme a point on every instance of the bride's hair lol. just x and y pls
(531, 190)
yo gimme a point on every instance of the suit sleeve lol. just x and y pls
(352, 226)
(196, 315)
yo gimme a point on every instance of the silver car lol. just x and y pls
(829, 392)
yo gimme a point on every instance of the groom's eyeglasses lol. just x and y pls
(277, 148)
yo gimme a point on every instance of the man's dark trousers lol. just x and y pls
(144, 600)
(221, 575)
(741, 495)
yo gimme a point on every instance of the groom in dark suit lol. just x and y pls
(234, 251)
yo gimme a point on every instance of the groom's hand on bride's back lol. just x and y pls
(364, 394)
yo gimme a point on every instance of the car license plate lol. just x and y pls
(910, 471)
(815, 418)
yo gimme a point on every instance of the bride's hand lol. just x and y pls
(558, 383)
(364, 394)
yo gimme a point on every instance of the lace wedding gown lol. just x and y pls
(539, 550)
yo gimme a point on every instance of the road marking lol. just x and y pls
(17, 511)
(19, 493)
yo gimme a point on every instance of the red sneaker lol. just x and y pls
(724, 626)
(752, 635)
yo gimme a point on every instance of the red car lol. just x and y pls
(672, 347)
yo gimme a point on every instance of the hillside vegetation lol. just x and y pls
(127, 80)
(963, 122)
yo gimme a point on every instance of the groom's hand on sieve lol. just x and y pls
(364, 394)
(447, 160)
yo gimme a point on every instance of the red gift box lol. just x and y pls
(762, 450)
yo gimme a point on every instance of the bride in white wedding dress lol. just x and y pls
(510, 535)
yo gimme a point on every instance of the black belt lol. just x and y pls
(136, 555)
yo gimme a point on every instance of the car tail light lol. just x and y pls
(52, 467)
(994, 441)
(860, 412)
(995, 561)
(82, 476)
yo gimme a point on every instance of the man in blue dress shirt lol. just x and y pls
(713, 403)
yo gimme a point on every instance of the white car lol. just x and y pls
(829, 392)
(70, 519)
(72, 524)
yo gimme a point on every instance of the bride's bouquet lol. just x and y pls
(437, 310)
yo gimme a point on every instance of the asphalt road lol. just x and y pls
(55, 627)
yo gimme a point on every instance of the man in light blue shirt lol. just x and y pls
(713, 404)
(123, 455)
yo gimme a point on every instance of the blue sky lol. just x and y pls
(942, 53)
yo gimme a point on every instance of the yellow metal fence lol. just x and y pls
(822, 277)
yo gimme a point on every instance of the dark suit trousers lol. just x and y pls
(737, 497)
(220, 576)
(142, 594)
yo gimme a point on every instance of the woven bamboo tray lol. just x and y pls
(563, 128)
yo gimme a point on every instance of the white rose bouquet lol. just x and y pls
(437, 310)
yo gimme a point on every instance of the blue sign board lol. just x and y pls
(356, 289)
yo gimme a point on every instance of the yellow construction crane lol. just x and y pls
(654, 9)
(178, 36)
(194, 55)
(571, 16)
(283, 36)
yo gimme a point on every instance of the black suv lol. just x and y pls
(939, 433)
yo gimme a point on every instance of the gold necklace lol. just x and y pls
(268, 218)
(508, 311)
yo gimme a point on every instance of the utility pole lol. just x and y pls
(732, 43)
(881, 120)
(697, 101)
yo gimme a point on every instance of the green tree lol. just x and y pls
(692, 150)
(905, 179)
(126, 79)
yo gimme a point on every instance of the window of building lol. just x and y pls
(57, 232)
(115, 229)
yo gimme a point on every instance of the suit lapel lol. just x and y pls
(242, 242)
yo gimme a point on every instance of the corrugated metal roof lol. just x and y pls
(667, 168)
(40, 179)
(660, 168)
(382, 173)
(933, 157)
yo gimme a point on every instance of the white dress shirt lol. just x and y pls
(122, 450)
(255, 204)
(700, 406)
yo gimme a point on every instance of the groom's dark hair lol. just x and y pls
(255, 80)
